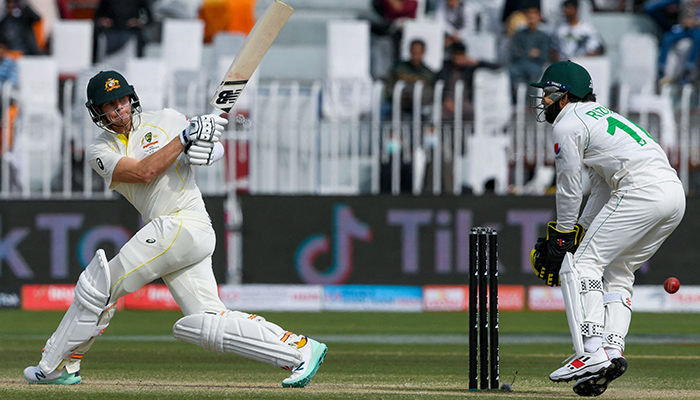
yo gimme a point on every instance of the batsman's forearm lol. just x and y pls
(155, 164)
(129, 170)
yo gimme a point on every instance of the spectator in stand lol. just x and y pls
(8, 68)
(513, 18)
(117, 21)
(63, 9)
(530, 50)
(412, 71)
(574, 37)
(8, 75)
(394, 12)
(17, 27)
(688, 27)
(229, 16)
(388, 23)
(459, 67)
(552, 14)
(663, 12)
(458, 19)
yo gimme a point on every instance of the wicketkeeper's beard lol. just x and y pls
(551, 112)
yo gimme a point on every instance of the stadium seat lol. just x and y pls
(39, 131)
(224, 45)
(149, 77)
(487, 150)
(486, 159)
(181, 55)
(71, 44)
(119, 58)
(489, 13)
(294, 62)
(183, 41)
(347, 90)
(599, 68)
(493, 105)
(482, 46)
(638, 57)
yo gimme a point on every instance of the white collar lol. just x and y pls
(567, 108)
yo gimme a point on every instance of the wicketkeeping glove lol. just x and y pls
(205, 128)
(548, 254)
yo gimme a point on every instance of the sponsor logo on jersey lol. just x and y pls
(111, 84)
(149, 142)
(150, 240)
(99, 164)
(557, 148)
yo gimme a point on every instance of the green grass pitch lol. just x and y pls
(371, 356)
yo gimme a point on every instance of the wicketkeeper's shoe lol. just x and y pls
(597, 384)
(313, 353)
(580, 367)
(35, 375)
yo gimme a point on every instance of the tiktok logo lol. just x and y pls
(345, 228)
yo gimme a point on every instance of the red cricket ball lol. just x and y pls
(672, 285)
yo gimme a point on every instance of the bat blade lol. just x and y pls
(251, 53)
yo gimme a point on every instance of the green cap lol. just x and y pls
(567, 76)
(107, 86)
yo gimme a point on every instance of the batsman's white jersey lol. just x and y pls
(178, 240)
(172, 191)
(636, 198)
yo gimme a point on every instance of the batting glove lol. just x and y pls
(205, 128)
(204, 153)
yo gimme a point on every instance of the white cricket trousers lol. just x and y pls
(628, 230)
(177, 248)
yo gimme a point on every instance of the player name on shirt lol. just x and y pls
(599, 112)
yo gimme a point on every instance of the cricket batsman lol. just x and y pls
(147, 157)
(636, 202)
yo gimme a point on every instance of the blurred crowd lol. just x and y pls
(527, 42)
(528, 35)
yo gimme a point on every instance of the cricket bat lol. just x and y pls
(251, 53)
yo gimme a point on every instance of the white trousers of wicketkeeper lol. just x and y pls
(626, 233)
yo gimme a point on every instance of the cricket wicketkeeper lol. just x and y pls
(636, 202)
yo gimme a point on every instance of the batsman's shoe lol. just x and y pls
(35, 375)
(597, 384)
(313, 353)
(580, 367)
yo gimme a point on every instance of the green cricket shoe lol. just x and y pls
(34, 375)
(313, 353)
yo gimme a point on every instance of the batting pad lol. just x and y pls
(583, 299)
(79, 324)
(231, 332)
(618, 315)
